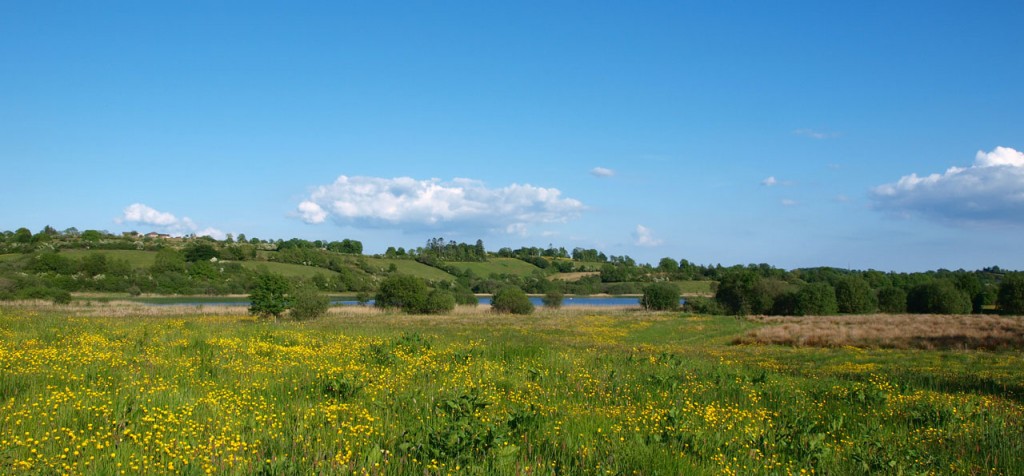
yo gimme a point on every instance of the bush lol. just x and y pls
(512, 300)
(402, 291)
(465, 297)
(854, 296)
(816, 299)
(307, 302)
(439, 301)
(892, 300)
(938, 297)
(660, 297)
(553, 299)
(61, 296)
(1011, 295)
(703, 305)
(268, 296)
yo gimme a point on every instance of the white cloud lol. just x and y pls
(770, 181)
(643, 236)
(989, 191)
(405, 202)
(789, 202)
(814, 134)
(141, 214)
(602, 172)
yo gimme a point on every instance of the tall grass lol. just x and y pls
(558, 392)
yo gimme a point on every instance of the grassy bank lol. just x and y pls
(559, 392)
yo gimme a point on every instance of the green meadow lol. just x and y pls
(559, 392)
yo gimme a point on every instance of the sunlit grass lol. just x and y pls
(559, 392)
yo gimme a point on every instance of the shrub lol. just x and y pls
(133, 290)
(402, 291)
(61, 296)
(553, 299)
(1011, 295)
(892, 300)
(512, 300)
(703, 305)
(465, 297)
(660, 297)
(268, 296)
(439, 301)
(816, 299)
(307, 302)
(938, 297)
(854, 296)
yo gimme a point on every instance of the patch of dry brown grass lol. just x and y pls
(900, 331)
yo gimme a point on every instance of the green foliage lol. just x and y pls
(938, 297)
(200, 251)
(703, 305)
(439, 301)
(892, 300)
(464, 296)
(553, 299)
(269, 296)
(816, 299)
(404, 292)
(1011, 295)
(745, 292)
(855, 296)
(660, 297)
(307, 302)
(512, 300)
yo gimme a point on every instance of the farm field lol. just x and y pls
(495, 266)
(559, 392)
(410, 267)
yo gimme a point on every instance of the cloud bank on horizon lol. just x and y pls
(408, 203)
(990, 191)
(141, 214)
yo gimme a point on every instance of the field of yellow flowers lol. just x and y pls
(569, 392)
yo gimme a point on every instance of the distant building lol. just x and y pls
(154, 234)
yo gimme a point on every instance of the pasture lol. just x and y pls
(558, 392)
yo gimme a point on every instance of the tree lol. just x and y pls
(892, 300)
(1011, 294)
(200, 252)
(744, 292)
(307, 302)
(168, 259)
(511, 299)
(553, 299)
(660, 297)
(938, 297)
(269, 296)
(402, 291)
(816, 299)
(439, 301)
(854, 296)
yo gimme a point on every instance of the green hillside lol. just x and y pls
(411, 267)
(496, 266)
(138, 259)
(287, 269)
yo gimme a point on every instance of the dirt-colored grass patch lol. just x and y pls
(902, 331)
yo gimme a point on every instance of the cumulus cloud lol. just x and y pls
(643, 236)
(602, 172)
(989, 191)
(407, 202)
(770, 181)
(141, 214)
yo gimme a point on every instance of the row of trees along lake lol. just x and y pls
(51, 264)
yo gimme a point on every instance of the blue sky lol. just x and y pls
(879, 135)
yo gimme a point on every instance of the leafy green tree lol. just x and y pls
(1011, 295)
(553, 299)
(744, 292)
(439, 301)
(91, 235)
(168, 259)
(938, 297)
(269, 296)
(511, 299)
(892, 300)
(402, 291)
(816, 299)
(200, 251)
(854, 296)
(307, 302)
(93, 264)
(660, 297)
(22, 235)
